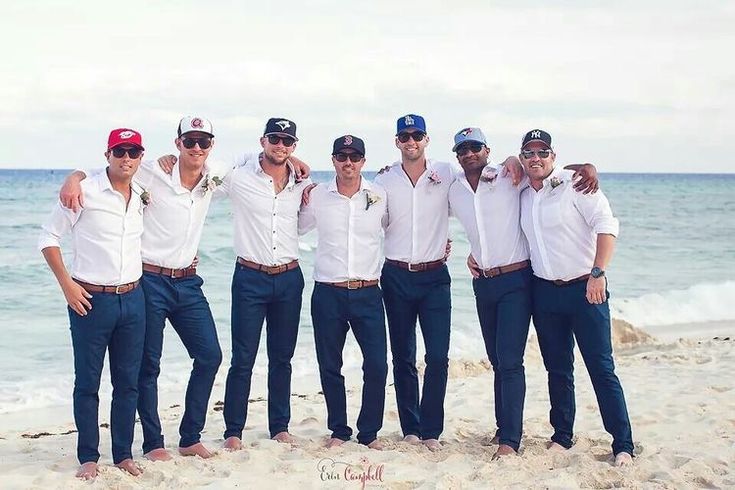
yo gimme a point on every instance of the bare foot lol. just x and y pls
(623, 459)
(504, 450)
(553, 446)
(159, 454)
(88, 471)
(284, 437)
(334, 442)
(495, 439)
(233, 444)
(412, 439)
(432, 444)
(130, 466)
(197, 449)
(377, 445)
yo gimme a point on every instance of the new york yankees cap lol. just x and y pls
(348, 142)
(536, 135)
(280, 126)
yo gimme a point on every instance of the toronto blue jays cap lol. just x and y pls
(536, 135)
(472, 135)
(411, 121)
(280, 126)
(348, 142)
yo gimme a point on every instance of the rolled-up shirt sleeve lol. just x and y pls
(58, 225)
(596, 211)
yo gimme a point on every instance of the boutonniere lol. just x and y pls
(210, 183)
(370, 199)
(489, 174)
(434, 178)
(145, 196)
(555, 182)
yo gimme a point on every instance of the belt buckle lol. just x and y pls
(173, 273)
(117, 289)
(412, 270)
(348, 284)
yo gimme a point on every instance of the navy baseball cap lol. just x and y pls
(472, 135)
(410, 121)
(280, 126)
(348, 142)
(536, 135)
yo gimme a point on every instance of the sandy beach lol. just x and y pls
(681, 397)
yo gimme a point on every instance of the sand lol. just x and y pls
(680, 394)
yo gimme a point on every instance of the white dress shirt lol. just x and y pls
(562, 225)
(350, 234)
(266, 223)
(105, 234)
(418, 217)
(491, 217)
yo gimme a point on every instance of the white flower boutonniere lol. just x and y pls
(555, 182)
(370, 199)
(210, 183)
(489, 174)
(434, 178)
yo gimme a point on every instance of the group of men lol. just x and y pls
(539, 246)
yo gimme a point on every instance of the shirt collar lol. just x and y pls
(291, 172)
(365, 185)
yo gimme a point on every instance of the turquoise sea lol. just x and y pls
(671, 275)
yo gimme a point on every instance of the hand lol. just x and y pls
(474, 268)
(301, 169)
(71, 195)
(588, 182)
(77, 297)
(448, 249)
(384, 169)
(194, 263)
(596, 290)
(512, 166)
(306, 193)
(167, 162)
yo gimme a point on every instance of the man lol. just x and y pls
(348, 214)
(571, 238)
(173, 223)
(267, 283)
(487, 203)
(106, 306)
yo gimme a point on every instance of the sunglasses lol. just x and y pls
(462, 150)
(342, 157)
(538, 153)
(287, 141)
(416, 136)
(203, 143)
(133, 153)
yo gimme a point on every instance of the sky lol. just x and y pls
(632, 86)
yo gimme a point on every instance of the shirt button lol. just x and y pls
(274, 248)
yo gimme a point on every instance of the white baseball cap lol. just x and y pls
(195, 123)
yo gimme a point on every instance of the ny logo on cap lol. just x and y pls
(536, 134)
(283, 125)
(466, 131)
(126, 134)
(197, 123)
(348, 140)
(409, 121)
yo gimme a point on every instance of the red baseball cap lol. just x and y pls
(123, 136)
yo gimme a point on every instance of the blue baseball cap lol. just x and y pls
(473, 135)
(410, 121)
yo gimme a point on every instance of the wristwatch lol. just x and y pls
(596, 272)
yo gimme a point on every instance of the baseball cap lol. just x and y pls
(281, 126)
(410, 121)
(348, 142)
(195, 123)
(473, 135)
(124, 136)
(536, 135)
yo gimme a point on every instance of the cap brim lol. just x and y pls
(536, 141)
(281, 134)
(197, 131)
(454, 148)
(125, 143)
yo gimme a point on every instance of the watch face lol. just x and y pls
(597, 272)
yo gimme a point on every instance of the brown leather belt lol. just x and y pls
(352, 284)
(504, 269)
(268, 269)
(96, 288)
(420, 267)
(559, 282)
(174, 273)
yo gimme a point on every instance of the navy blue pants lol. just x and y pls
(426, 296)
(182, 302)
(504, 310)
(115, 323)
(333, 312)
(561, 314)
(258, 296)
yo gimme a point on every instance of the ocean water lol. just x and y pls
(671, 275)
